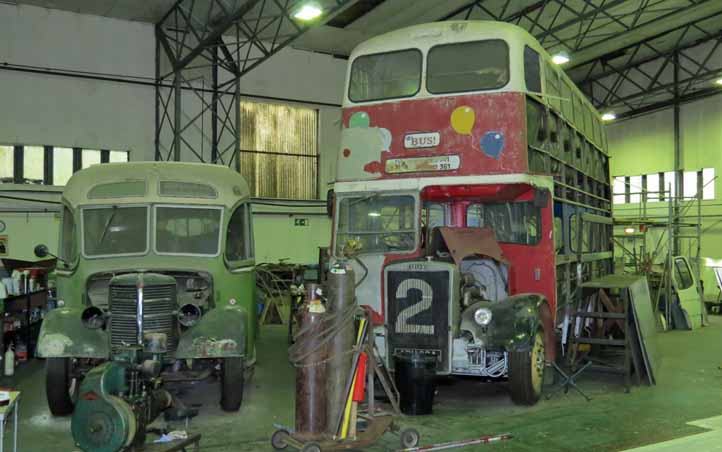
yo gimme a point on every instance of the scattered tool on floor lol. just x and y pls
(458, 444)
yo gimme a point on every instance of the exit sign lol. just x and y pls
(300, 222)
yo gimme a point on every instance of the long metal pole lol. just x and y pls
(677, 158)
(157, 100)
(669, 272)
(458, 444)
(214, 108)
(699, 248)
(237, 137)
(237, 103)
(177, 129)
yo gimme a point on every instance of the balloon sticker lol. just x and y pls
(385, 138)
(462, 120)
(492, 143)
(359, 119)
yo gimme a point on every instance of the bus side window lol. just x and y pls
(558, 234)
(578, 113)
(567, 134)
(567, 102)
(597, 131)
(553, 128)
(537, 122)
(532, 71)
(552, 87)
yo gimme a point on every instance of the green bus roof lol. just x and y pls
(156, 182)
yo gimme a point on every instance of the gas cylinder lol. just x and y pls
(341, 293)
(311, 373)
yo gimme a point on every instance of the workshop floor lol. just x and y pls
(689, 389)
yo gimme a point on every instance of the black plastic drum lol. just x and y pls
(415, 374)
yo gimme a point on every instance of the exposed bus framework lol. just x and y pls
(473, 193)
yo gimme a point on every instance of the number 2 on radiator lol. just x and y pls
(402, 321)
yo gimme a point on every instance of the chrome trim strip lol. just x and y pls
(139, 316)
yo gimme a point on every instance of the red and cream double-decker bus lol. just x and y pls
(473, 194)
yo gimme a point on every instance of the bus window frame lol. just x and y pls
(539, 68)
(338, 198)
(418, 88)
(508, 67)
(539, 223)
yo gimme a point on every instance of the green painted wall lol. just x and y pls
(646, 144)
(291, 232)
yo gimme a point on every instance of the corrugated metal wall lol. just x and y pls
(279, 150)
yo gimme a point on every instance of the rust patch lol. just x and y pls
(54, 344)
(208, 346)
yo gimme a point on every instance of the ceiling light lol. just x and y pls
(609, 116)
(560, 58)
(719, 81)
(629, 230)
(308, 12)
(374, 214)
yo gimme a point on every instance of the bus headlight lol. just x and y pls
(189, 314)
(482, 316)
(92, 318)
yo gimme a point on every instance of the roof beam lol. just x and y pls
(636, 63)
(216, 34)
(641, 33)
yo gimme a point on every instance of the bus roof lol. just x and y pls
(158, 182)
(425, 36)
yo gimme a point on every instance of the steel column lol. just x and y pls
(216, 42)
(677, 158)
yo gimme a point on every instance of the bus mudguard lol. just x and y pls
(514, 322)
(63, 335)
(220, 333)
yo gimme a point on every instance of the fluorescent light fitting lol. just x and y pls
(629, 230)
(560, 58)
(609, 116)
(374, 214)
(308, 12)
(718, 81)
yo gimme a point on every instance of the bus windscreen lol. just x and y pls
(382, 76)
(467, 66)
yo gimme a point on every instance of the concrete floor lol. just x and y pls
(688, 389)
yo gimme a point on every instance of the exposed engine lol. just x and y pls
(119, 398)
(466, 267)
(483, 279)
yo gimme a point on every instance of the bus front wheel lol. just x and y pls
(526, 372)
(232, 380)
(58, 385)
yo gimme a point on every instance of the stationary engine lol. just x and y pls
(119, 398)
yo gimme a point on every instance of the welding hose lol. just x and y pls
(366, 271)
(300, 350)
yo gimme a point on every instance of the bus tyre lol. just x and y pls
(231, 383)
(526, 372)
(58, 385)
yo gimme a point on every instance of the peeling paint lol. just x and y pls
(487, 133)
(205, 346)
(54, 344)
